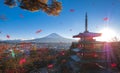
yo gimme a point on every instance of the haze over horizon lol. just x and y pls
(51, 35)
(70, 21)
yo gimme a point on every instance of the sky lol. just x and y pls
(23, 24)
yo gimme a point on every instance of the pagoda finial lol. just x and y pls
(86, 23)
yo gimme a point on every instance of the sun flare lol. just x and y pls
(107, 35)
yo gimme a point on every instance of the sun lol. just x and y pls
(107, 35)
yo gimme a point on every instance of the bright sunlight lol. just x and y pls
(107, 35)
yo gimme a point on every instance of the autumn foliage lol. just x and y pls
(54, 8)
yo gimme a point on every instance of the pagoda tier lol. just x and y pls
(88, 51)
(87, 34)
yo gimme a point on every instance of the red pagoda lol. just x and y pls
(91, 54)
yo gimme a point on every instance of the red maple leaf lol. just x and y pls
(105, 19)
(38, 31)
(21, 15)
(8, 36)
(72, 10)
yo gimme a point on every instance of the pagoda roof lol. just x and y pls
(94, 61)
(76, 50)
(75, 58)
(91, 51)
(87, 34)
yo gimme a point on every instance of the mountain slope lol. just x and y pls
(52, 38)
